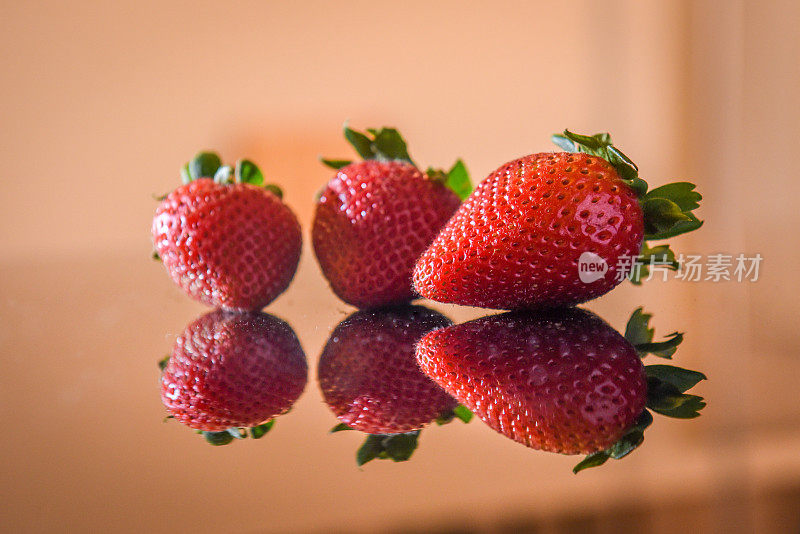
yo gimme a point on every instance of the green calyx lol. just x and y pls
(223, 437)
(666, 389)
(387, 144)
(209, 165)
(456, 179)
(339, 428)
(203, 165)
(667, 210)
(639, 334)
(626, 444)
(661, 255)
(398, 447)
(460, 412)
(600, 145)
(666, 394)
(395, 447)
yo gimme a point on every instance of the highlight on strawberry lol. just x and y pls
(225, 238)
(231, 374)
(561, 381)
(370, 380)
(520, 239)
(376, 216)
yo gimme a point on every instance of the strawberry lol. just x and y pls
(375, 217)
(523, 237)
(225, 240)
(369, 378)
(233, 371)
(562, 381)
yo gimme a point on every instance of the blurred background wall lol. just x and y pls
(103, 101)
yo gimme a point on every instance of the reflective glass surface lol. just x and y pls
(89, 408)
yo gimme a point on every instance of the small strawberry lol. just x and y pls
(232, 371)
(375, 217)
(563, 382)
(225, 240)
(526, 232)
(369, 378)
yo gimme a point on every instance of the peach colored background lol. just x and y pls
(103, 101)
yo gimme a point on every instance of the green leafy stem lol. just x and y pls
(401, 446)
(386, 144)
(209, 165)
(650, 257)
(223, 437)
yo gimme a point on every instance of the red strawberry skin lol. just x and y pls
(372, 222)
(562, 382)
(233, 370)
(516, 241)
(230, 246)
(369, 376)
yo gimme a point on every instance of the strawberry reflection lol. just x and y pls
(370, 379)
(230, 374)
(562, 381)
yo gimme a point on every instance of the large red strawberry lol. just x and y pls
(232, 371)
(555, 229)
(224, 239)
(369, 378)
(563, 382)
(375, 217)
